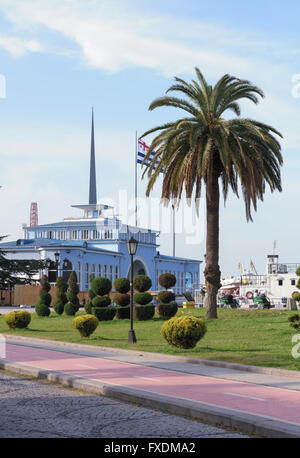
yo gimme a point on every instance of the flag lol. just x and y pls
(142, 150)
(252, 266)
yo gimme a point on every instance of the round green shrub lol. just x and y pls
(166, 297)
(167, 280)
(101, 286)
(184, 331)
(143, 312)
(59, 307)
(298, 271)
(101, 301)
(122, 299)
(104, 313)
(85, 324)
(45, 298)
(122, 285)
(142, 298)
(69, 309)
(42, 309)
(122, 313)
(296, 297)
(167, 310)
(142, 283)
(19, 319)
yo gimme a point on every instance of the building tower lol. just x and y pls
(34, 220)
(93, 189)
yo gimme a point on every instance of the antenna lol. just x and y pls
(274, 247)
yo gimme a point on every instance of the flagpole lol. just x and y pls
(135, 187)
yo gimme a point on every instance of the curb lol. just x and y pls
(162, 356)
(247, 423)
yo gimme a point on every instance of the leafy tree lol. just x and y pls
(17, 271)
(205, 148)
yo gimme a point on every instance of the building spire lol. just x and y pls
(93, 189)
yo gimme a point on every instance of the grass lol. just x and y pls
(254, 337)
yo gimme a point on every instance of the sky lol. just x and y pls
(61, 58)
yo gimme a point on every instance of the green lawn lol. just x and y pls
(255, 337)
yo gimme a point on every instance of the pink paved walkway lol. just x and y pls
(266, 402)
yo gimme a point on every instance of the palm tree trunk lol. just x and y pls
(212, 270)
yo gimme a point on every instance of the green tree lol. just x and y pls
(17, 271)
(207, 148)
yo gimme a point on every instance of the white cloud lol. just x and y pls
(18, 47)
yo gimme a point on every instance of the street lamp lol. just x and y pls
(132, 245)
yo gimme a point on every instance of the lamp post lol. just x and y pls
(131, 247)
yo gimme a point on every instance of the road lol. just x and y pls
(39, 409)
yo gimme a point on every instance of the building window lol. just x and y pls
(100, 270)
(62, 235)
(96, 235)
(67, 269)
(108, 234)
(84, 234)
(74, 235)
(105, 271)
(50, 235)
(280, 282)
(79, 274)
(293, 282)
(87, 276)
(111, 273)
(117, 272)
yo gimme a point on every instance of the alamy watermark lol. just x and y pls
(2, 347)
(296, 348)
(296, 86)
(2, 87)
(163, 216)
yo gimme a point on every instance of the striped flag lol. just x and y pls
(142, 149)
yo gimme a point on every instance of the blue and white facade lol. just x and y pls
(95, 243)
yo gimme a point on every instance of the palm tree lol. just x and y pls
(204, 147)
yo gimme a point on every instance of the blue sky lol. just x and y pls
(60, 58)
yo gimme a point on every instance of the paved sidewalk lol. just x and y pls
(265, 404)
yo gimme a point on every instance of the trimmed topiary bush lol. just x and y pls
(91, 294)
(73, 301)
(101, 286)
(122, 313)
(69, 309)
(19, 319)
(142, 283)
(184, 331)
(42, 307)
(167, 280)
(166, 297)
(61, 298)
(104, 313)
(88, 307)
(122, 299)
(122, 285)
(142, 298)
(143, 312)
(294, 321)
(85, 324)
(167, 310)
(101, 301)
